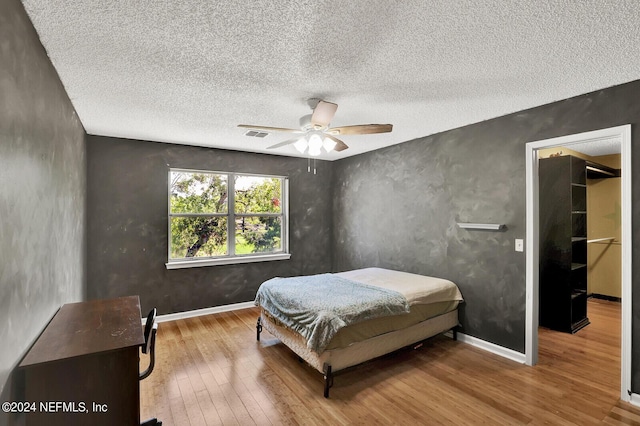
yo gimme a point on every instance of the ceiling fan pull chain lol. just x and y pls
(314, 166)
(308, 165)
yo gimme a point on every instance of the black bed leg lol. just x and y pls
(454, 332)
(328, 379)
(258, 328)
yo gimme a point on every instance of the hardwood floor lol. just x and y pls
(210, 370)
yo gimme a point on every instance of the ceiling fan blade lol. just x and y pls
(323, 113)
(361, 129)
(287, 142)
(270, 129)
(340, 146)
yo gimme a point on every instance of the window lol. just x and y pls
(207, 226)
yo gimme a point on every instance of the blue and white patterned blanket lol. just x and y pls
(318, 306)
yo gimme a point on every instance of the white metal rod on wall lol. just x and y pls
(599, 240)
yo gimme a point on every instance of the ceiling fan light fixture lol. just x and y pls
(301, 145)
(328, 144)
(315, 133)
(315, 144)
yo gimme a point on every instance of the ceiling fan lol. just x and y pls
(316, 133)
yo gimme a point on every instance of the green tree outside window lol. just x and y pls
(202, 220)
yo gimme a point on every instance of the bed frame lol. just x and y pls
(331, 361)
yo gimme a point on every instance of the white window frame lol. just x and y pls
(231, 258)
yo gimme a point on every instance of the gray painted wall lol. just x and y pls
(127, 224)
(42, 196)
(398, 207)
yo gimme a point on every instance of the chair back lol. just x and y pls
(151, 319)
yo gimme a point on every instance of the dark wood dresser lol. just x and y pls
(83, 369)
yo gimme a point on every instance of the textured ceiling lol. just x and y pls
(190, 71)
(598, 147)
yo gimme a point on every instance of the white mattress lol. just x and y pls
(417, 289)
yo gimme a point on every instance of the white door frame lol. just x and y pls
(623, 134)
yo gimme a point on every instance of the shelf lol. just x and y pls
(482, 226)
(599, 171)
(577, 293)
(576, 266)
(563, 271)
(580, 324)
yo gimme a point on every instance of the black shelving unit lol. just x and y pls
(563, 243)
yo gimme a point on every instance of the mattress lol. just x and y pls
(427, 297)
(358, 352)
(417, 289)
(367, 329)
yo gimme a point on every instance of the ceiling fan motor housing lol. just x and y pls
(305, 122)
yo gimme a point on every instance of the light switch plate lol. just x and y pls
(519, 244)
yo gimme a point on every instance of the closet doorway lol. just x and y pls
(573, 144)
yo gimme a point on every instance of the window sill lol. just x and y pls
(179, 264)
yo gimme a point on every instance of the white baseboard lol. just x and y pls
(634, 399)
(493, 348)
(204, 311)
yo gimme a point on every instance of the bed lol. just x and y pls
(335, 321)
